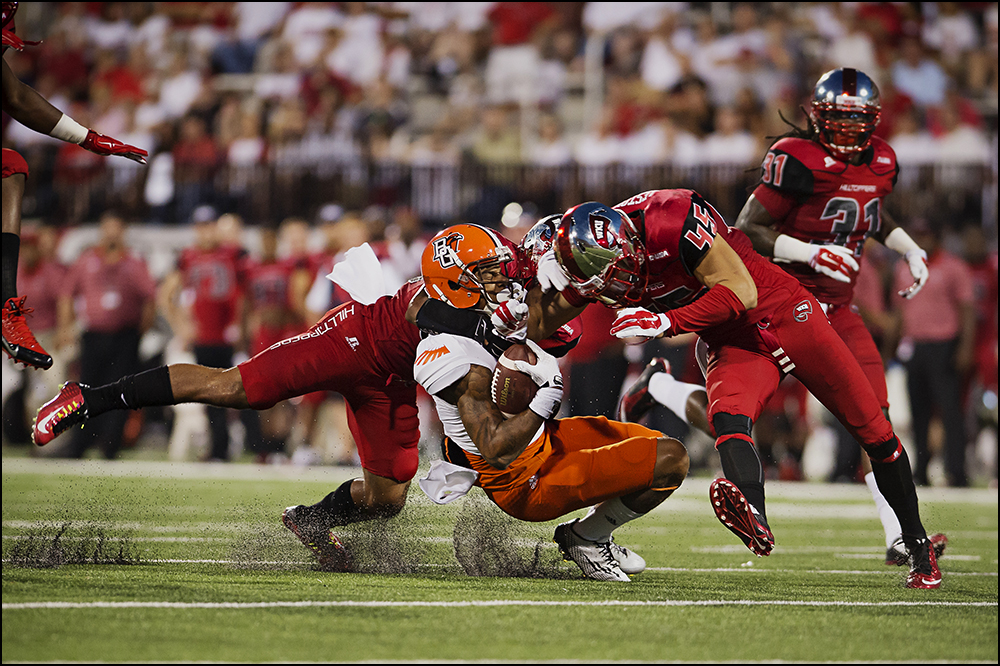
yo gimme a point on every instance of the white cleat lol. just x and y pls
(595, 559)
(629, 561)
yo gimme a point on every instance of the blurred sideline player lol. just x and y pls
(363, 351)
(531, 465)
(818, 200)
(26, 106)
(206, 290)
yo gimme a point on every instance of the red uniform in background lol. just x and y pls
(268, 294)
(817, 199)
(213, 279)
(984, 289)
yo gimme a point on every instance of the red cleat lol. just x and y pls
(897, 555)
(18, 341)
(67, 409)
(733, 511)
(637, 401)
(924, 573)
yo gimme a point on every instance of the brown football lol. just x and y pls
(512, 390)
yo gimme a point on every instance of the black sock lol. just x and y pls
(742, 466)
(11, 248)
(340, 507)
(146, 389)
(895, 482)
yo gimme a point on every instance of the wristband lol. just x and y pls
(547, 401)
(787, 248)
(69, 130)
(901, 242)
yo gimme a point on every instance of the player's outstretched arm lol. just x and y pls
(23, 103)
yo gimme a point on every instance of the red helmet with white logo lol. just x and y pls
(602, 254)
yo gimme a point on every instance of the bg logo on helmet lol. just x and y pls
(445, 248)
(600, 227)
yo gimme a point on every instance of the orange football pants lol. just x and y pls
(577, 462)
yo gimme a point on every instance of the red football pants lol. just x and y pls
(745, 368)
(337, 355)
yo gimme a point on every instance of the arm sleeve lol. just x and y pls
(717, 306)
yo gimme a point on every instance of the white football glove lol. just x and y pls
(510, 320)
(917, 261)
(831, 260)
(550, 274)
(548, 376)
(640, 323)
(545, 372)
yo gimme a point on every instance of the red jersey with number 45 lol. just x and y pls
(819, 199)
(678, 228)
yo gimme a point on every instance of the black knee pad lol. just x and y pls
(886, 452)
(732, 424)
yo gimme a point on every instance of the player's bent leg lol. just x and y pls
(589, 542)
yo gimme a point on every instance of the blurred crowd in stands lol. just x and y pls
(215, 90)
(322, 125)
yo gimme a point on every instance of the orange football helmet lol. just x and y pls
(454, 259)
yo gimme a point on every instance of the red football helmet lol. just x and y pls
(538, 239)
(846, 108)
(456, 260)
(602, 254)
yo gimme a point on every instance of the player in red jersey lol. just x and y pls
(819, 199)
(22, 103)
(365, 352)
(269, 316)
(674, 265)
(205, 292)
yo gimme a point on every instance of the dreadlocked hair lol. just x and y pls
(808, 132)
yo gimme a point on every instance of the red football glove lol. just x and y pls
(640, 323)
(105, 145)
(15, 42)
(834, 261)
(510, 320)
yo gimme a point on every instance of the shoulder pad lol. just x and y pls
(444, 359)
(883, 157)
(789, 164)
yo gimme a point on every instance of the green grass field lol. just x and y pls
(189, 562)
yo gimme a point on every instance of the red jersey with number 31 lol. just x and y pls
(826, 202)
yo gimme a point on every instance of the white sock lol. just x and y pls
(885, 513)
(671, 393)
(604, 518)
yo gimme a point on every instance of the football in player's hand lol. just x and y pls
(511, 389)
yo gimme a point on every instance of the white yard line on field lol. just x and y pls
(695, 487)
(170, 605)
